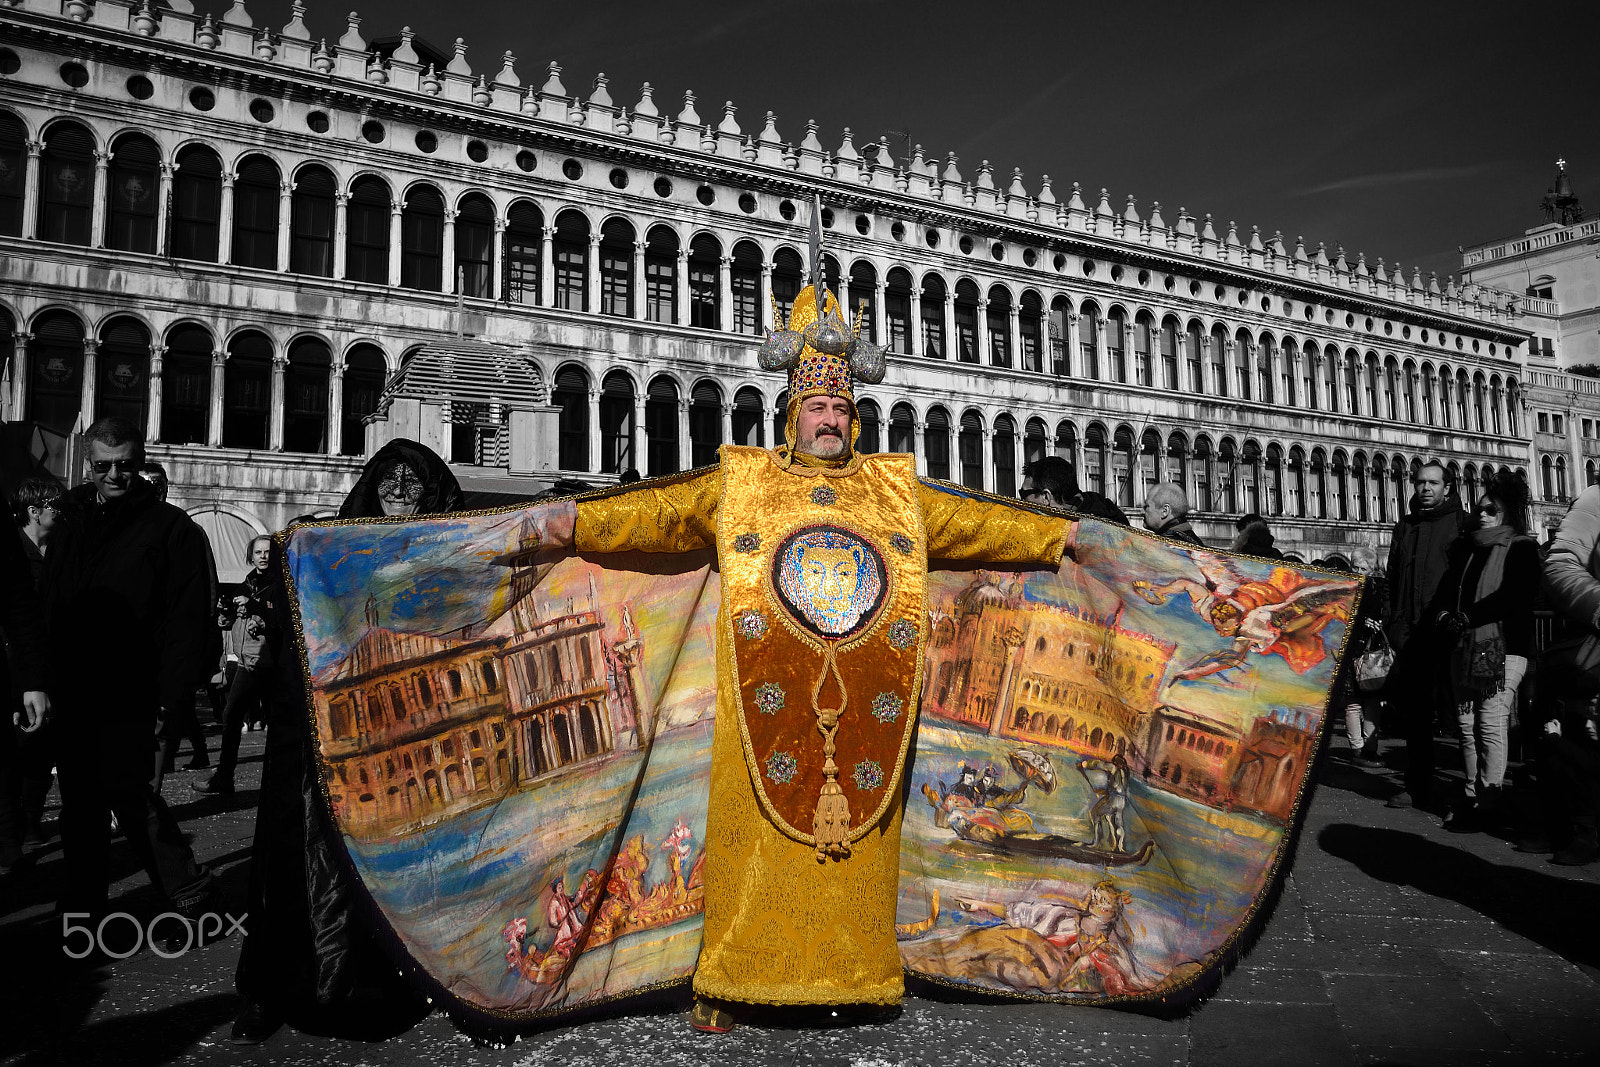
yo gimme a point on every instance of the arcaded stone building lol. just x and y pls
(276, 252)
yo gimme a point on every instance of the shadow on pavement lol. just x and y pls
(158, 1036)
(1556, 912)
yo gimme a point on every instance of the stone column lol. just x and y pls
(396, 236)
(225, 218)
(915, 325)
(1069, 346)
(447, 270)
(97, 224)
(591, 276)
(87, 386)
(919, 442)
(285, 224)
(1207, 374)
(30, 193)
(152, 429)
(987, 478)
(336, 409)
(497, 261)
(163, 197)
(725, 292)
(1011, 638)
(1015, 325)
(1102, 354)
(880, 312)
(19, 377)
(638, 281)
(638, 445)
(547, 269)
(341, 234)
(950, 350)
(275, 403)
(727, 424)
(685, 446)
(982, 317)
(681, 296)
(219, 361)
(594, 430)
(764, 312)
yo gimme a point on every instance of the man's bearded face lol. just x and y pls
(823, 427)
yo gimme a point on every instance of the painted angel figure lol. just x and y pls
(1283, 615)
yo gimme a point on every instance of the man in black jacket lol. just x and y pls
(128, 624)
(1166, 512)
(1419, 552)
(1052, 481)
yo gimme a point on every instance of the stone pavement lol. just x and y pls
(1394, 942)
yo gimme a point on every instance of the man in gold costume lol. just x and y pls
(823, 554)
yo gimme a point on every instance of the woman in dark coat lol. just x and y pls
(1484, 607)
(309, 957)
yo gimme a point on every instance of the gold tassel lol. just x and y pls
(830, 824)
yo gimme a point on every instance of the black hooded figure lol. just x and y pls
(310, 956)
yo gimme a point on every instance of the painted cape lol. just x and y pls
(516, 747)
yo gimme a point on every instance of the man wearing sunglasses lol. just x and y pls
(129, 637)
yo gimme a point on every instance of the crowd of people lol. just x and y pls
(1471, 627)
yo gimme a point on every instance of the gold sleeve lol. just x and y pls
(674, 515)
(988, 531)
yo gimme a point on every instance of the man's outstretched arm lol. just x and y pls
(679, 515)
(987, 531)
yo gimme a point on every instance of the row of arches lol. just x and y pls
(188, 386)
(255, 212)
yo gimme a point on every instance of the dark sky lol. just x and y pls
(1397, 129)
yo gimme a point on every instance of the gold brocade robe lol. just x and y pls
(780, 926)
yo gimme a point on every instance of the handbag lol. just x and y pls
(1486, 664)
(1373, 665)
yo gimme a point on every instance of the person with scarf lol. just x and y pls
(1419, 552)
(306, 953)
(1484, 607)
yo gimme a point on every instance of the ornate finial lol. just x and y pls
(352, 34)
(481, 94)
(951, 174)
(810, 142)
(266, 49)
(321, 59)
(688, 116)
(430, 81)
(205, 35)
(1561, 164)
(729, 125)
(599, 95)
(508, 71)
(552, 84)
(647, 103)
(405, 53)
(295, 28)
(458, 62)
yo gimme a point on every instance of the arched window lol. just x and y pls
(705, 423)
(1330, 378)
(1289, 377)
(867, 442)
(897, 310)
(196, 204)
(786, 279)
(66, 185)
(364, 372)
(616, 268)
(255, 215)
(247, 391)
(1228, 473)
(1177, 471)
(1478, 391)
(970, 446)
(186, 386)
(744, 276)
(1374, 409)
(55, 371)
(1095, 457)
(1340, 504)
(966, 315)
(1116, 324)
(1193, 359)
(524, 235)
(1243, 353)
(1035, 442)
(661, 275)
(133, 190)
(13, 164)
(933, 299)
(1274, 479)
(367, 232)
(1066, 442)
(780, 418)
(1122, 464)
(1513, 405)
(122, 372)
(902, 429)
(311, 220)
(1561, 478)
(1059, 330)
(422, 240)
(936, 439)
(1266, 355)
(305, 396)
(749, 420)
(1169, 353)
(1310, 375)
(863, 298)
(1149, 462)
(616, 423)
(1463, 390)
(475, 247)
(1205, 475)
(1352, 383)
(570, 253)
(661, 426)
(571, 395)
(1408, 391)
(705, 302)
(1143, 342)
(999, 326)
(1391, 389)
